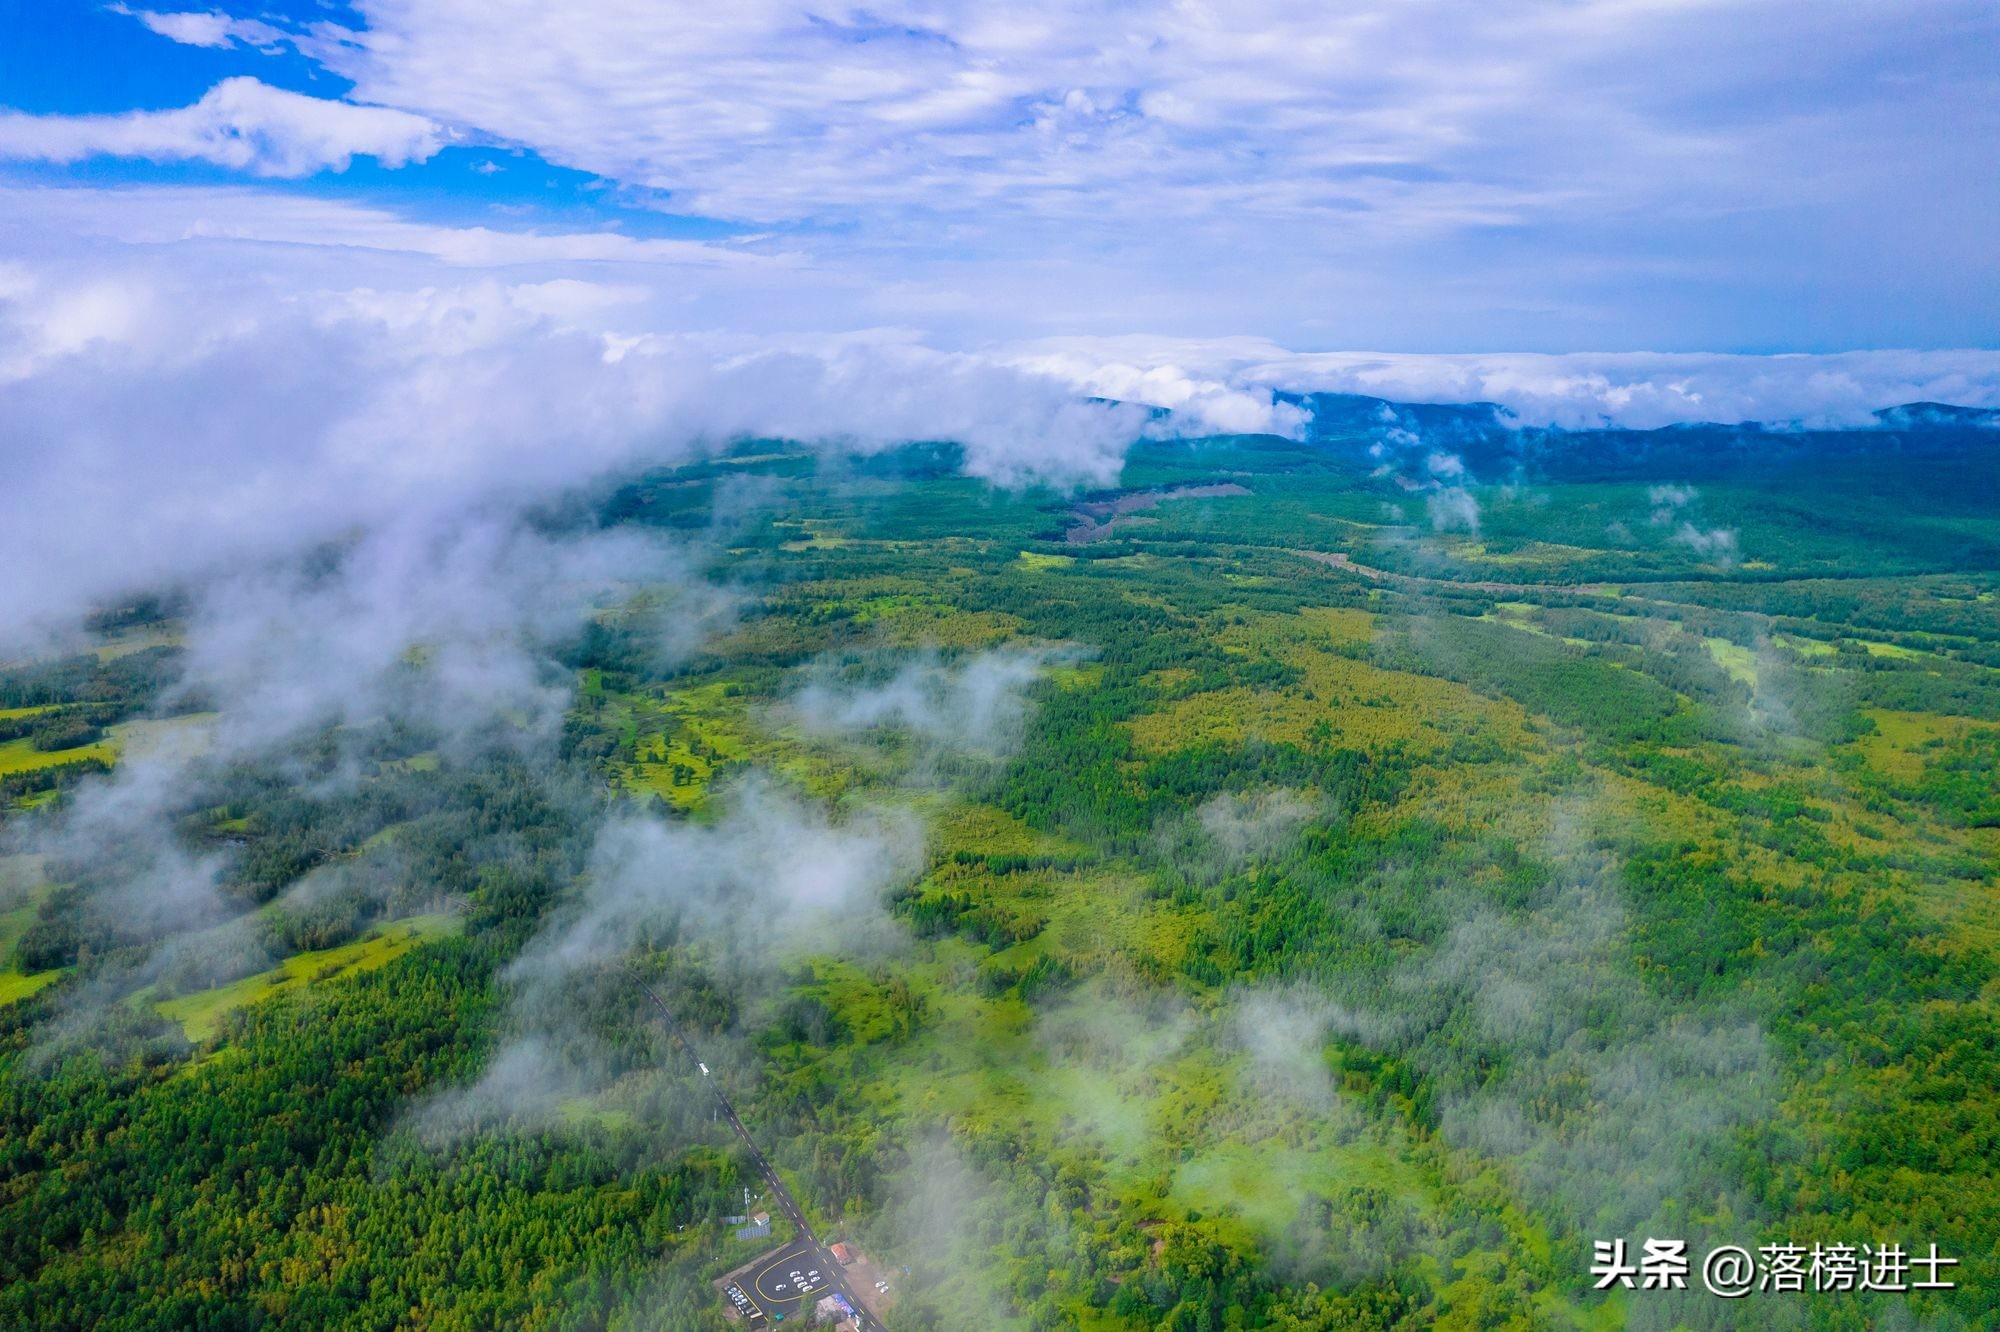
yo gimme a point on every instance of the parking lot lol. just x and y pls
(739, 1298)
(790, 1279)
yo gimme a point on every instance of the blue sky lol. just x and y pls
(273, 268)
(1436, 175)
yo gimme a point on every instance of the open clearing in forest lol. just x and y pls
(201, 1013)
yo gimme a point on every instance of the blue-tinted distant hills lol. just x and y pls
(1343, 413)
(1494, 445)
(1937, 416)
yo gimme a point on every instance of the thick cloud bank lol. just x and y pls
(165, 417)
(1232, 380)
(156, 430)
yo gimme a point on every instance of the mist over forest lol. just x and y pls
(1334, 884)
(1037, 668)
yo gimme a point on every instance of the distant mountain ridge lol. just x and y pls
(1938, 416)
(1492, 443)
(1349, 411)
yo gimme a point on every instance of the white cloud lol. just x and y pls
(1641, 390)
(1424, 170)
(973, 704)
(1412, 173)
(1285, 1034)
(210, 28)
(772, 871)
(291, 645)
(1243, 827)
(239, 123)
(1132, 369)
(1719, 542)
(166, 215)
(1453, 509)
(1437, 112)
(193, 376)
(179, 415)
(178, 427)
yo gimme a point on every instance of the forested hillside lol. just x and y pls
(1332, 893)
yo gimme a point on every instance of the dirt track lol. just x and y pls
(1097, 518)
(1340, 560)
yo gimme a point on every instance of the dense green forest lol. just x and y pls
(1338, 899)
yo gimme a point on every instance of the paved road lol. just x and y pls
(781, 1195)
